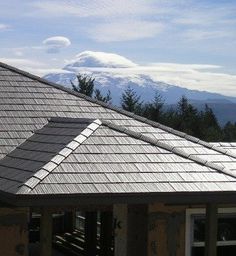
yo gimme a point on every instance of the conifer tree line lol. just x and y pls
(184, 117)
(85, 85)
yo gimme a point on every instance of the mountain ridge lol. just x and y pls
(115, 73)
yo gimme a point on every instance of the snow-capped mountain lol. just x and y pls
(115, 73)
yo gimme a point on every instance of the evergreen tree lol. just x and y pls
(229, 132)
(154, 109)
(130, 101)
(210, 129)
(170, 117)
(210, 118)
(187, 118)
(98, 95)
(85, 85)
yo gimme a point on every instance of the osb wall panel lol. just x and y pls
(166, 230)
(13, 232)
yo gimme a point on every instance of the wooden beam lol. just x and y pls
(126, 198)
(106, 234)
(90, 233)
(120, 215)
(211, 230)
(130, 229)
(46, 232)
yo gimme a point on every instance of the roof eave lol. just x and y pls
(64, 200)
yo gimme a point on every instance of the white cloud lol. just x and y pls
(207, 15)
(49, 45)
(181, 67)
(197, 34)
(194, 76)
(191, 76)
(19, 53)
(195, 20)
(110, 25)
(21, 62)
(24, 64)
(94, 8)
(205, 21)
(43, 71)
(99, 59)
(4, 27)
(56, 43)
(125, 31)
(32, 66)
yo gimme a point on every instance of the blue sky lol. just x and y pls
(41, 35)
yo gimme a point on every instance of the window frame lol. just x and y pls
(189, 227)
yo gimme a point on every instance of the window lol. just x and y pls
(195, 232)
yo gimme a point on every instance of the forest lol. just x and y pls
(183, 117)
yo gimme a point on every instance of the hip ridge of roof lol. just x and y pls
(45, 170)
(175, 150)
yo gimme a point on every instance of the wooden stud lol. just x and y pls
(211, 230)
(131, 229)
(120, 215)
(46, 232)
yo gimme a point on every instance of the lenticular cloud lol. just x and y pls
(56, 43)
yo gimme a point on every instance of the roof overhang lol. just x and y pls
(77, 200)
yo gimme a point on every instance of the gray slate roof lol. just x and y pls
(127, 153)
(83, 156)
(229, 146)
(45, 148)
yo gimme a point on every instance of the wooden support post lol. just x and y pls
(46, 233)
(120, 215)
(131, 229)
(90, 233)
(106, 234)
(211, 230)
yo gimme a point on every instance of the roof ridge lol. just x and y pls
(122, 111)
(59, 119)
(178, 151)
(47, 168)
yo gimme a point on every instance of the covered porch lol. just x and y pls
(141, 229)
(129, 228)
